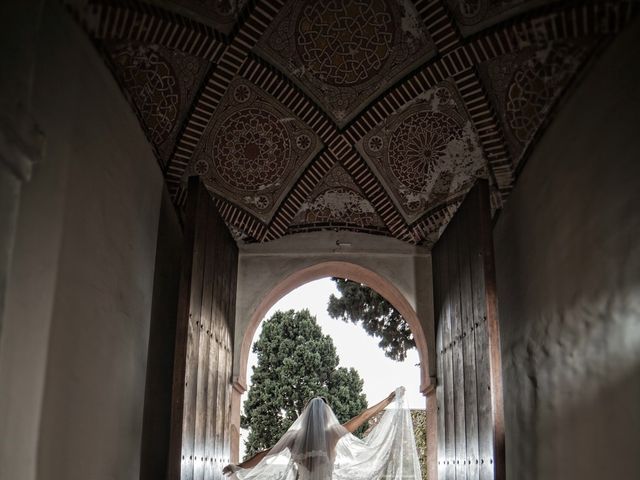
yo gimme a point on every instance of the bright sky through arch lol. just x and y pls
(354, 347)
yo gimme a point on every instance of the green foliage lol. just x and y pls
(419, 419)
(296, 362)
(360, 304)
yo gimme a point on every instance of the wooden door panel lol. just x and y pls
(468, 352)
(469, 391)
(204, 340)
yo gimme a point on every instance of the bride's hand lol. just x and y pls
(392, 395)
(229, 469)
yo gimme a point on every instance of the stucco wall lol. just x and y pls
(568, 265)
(263, 267)
(267, 272)
(73, 347)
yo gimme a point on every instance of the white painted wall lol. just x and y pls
(74, 340)
(263, 266)
(568, 264)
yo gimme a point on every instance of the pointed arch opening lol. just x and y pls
(342, 269)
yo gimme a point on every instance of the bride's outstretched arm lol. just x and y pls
(248, 463)
(253, 461)
(359, 420)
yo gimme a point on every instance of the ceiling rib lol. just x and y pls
(299, 194)
(227, 67)
(458, 59)
(339, 149)
(147, 24)
(439, 24)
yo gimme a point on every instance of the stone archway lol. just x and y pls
(302, 276)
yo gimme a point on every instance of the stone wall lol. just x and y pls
(73, 345)
(263, 267)
(568, 265)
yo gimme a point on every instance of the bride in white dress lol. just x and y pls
(317, 447)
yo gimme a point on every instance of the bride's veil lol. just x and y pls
(317, 447)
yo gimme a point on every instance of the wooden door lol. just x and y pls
(201, 397)
(469, 385)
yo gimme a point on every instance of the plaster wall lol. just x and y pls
(568, 269)
(9, 198)
(73, 348)
(263, 267)
(20, 142)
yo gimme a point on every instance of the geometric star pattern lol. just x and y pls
(343, 52)
(371, 116)
(250, 154)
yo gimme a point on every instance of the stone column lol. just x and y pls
(236, 395)
(432, 431)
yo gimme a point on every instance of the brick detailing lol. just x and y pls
(140, 22)
(227, 68)
(463, 53)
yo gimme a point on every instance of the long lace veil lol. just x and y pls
(317, 447)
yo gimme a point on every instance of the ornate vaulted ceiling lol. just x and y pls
(367, 115)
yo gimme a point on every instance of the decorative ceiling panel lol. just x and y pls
(525, 85)
(474, 15)
(337, 202)
(343, 53)
(374, 116)
(220, 14)
(254, 150)
(161, 83)
(427, 153)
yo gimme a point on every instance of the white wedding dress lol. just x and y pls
(317, 447)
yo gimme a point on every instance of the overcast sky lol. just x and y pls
(355, 348)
